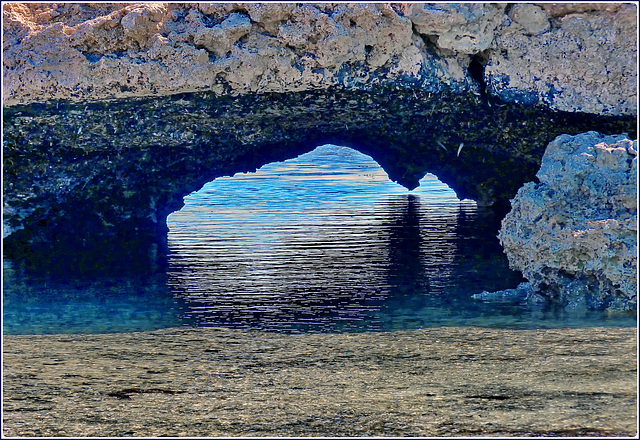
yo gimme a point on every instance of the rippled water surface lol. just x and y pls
(323, 242)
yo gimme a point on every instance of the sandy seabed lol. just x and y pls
(446, 381)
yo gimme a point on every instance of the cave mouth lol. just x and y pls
(326, 242)
(318, 247)
(329, 170)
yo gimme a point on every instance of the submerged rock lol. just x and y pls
(519, 294)
(430, 383)
(574, 234)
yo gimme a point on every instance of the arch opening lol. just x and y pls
(87, 200)
(324, 166)
(326, 242)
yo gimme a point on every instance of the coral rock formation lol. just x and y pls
(567, 62)
(113, 111)
(574, 234)
(571, 57)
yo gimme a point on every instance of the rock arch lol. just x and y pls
(113, 113)
(117, 169)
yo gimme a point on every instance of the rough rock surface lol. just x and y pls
(574, 234)
(114, 112)
(56, 52)
(573, 57)
(567, 60)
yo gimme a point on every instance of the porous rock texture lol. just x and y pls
(574, 234)
(564, 55)
(573, 57)
(157, 49)
(114, 112)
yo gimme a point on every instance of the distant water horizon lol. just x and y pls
(324, 242)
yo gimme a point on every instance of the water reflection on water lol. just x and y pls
(318, 243)
(326, 242)
(323, 242)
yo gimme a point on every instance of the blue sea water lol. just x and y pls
(324, 242)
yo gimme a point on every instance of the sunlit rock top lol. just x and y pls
(573, 57)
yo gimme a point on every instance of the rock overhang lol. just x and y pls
(102, 168)
(113, 113)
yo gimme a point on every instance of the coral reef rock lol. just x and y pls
(567, 61)
(574, 234)
(571, 57)
(113, 112)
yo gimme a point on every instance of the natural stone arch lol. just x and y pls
(112, 113)
(87, 172)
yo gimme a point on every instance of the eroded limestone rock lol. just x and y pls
(581, 61)
(161, 49)
(574, 234)
(458, 27)
(531, 17)
(578, 58)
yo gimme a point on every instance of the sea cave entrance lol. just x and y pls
(325, 242)
(89, 188)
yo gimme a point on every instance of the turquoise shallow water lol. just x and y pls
(321, 243)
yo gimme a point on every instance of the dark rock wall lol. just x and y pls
(82, 173)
